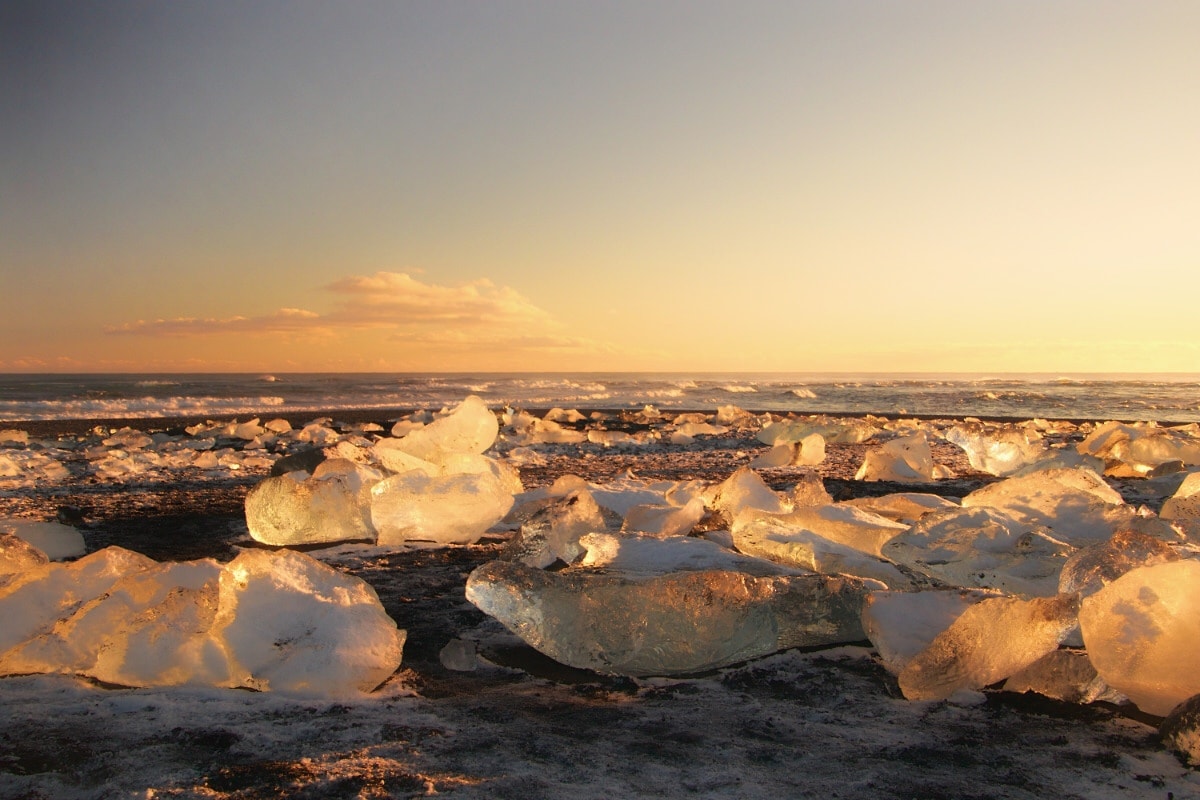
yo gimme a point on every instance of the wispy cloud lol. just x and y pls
(475, 315)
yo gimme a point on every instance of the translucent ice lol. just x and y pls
(902, 624)
(1136, 450)
(681, 622)
(17, 555)
(906, 507)
(290, 623)
(745, 491)
(1097, 565)
(550, 532)
(470, 428)
(982, 547)
(664, 519)
(150, 628)
(643, 554)
(1185, 503)
(1075, 504)
(33, 601)
(56, 540)
(1142, 632)
(846, 525)
(990, 641)
(998, 449)
(447, 509)
(905, 459)
(1066, 675)
(331, 505)
(808, 452)
(790, 540)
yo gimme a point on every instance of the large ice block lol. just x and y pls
(290, 623)
(902, 624)
(998, 449)
(990, 641)
(1142, 631)
(469, 428)
(551, 532)
(331, 505)
(904, 459)
(677, 623)
(1095, 566)
(448, 509)
(984, 548)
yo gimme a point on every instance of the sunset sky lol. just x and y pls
(827, 186)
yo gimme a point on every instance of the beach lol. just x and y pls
(827, 722)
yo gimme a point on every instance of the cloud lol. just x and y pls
(471, 317)
(285, 320)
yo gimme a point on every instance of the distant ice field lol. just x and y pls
(1161, 398)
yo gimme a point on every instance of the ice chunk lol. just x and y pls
(150, 628)
(809, 491)
(664, 519)
(1098, 565)
(331, 505)
(852, 527)
(459, 655)
(790, 540)
(677, 623)
(56, 540)
(1066, 675)
(1180, 731)
(991, 640)
(290, 623)
(9, 468)
(18, 555)
(33, 601)
(447, 509)
(1142, 632)
(1076, 505)
(128, 439)
(902, 624)
(998, 449)
(808, 452)
(659, 555)
(470, 428)
(981, 547)
(904, 459)
(833, 431)
(1185, 503)
(745, 491)
(906, 507)
(1137, 450)
(551, 532)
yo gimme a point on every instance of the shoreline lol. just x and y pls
(46, 428)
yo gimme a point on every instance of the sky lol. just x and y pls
(850, 186)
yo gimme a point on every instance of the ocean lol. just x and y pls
(1161, 398)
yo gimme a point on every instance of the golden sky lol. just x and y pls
(808, 186)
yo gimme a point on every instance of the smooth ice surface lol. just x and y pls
(293, 624)
(1066, 675)
(982, 547)
(681, 622)
(902, 624)
(1075, 504)
(793, 544)
(664, 519)
(1093, 567)
(1138, 450)
(906, 507)
(647, 554)
(1185, 503)
(331, 505)
(1142, 632)
(990, 641)
(56, 540)
(449, 509)
(808, 452)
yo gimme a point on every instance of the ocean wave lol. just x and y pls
(737, 388)
(803, 392)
